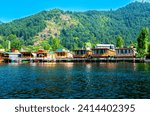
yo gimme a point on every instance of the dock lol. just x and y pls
(40, 60)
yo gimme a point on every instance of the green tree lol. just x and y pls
(1, 46)
(119, 42)
(56, 44)
(16, 43)
(149, 48)
(11, 37)
(88, 44)
(142, 40)
(45, 45)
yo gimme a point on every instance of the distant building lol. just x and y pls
(1, 57)
(63, 53)
(103, 52)
(125, 52)
(41, 53)
(2, 50)
(12, 56)
(51, 55)
(103, 46)
(27, 54)
(82, 53)
(14, 50)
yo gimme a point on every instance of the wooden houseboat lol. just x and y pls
(51, 56)
(62, 53)
(27, 55)
(41, 54)
(103, 53)
(82, 53)
(1, 57)
(11, 56)
(125, 52)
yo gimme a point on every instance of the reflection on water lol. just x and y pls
(75, 80)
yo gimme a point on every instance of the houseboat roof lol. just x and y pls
(13, 53)
(62, 50)
(100, 49)
(51, 52)
(104, 45)
(25, 52)
(80, 50)
(42, 51)
(124, 48)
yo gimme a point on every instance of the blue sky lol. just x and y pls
(14, 9)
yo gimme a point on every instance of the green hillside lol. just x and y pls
(74, 29)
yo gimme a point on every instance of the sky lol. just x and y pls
(16, 9)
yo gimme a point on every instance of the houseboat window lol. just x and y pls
(82, 52)
(126, 51)
(19, 55)
(97, 51)
(131, 51)
(94, 52)
(118, 51)
(111, 47)
(100, 51)
(104, 51)
(121, 51)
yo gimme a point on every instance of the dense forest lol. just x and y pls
(72, 30)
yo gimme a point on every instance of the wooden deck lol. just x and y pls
(84, 60)
(134, 60)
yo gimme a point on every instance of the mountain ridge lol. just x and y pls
(75, 28)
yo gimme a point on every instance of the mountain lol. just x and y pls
(1, 22)
(75, 28)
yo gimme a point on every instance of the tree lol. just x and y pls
(142, 40)
(119, 42)
(11, 37)
(1, 46)
(16, 43)
(149, 48)
(88, 44)
(56, 44)
(45, 45)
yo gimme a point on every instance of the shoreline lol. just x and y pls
(78, 60)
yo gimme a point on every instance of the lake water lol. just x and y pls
(75, 80)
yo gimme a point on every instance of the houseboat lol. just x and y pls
(1, 57)
(27, 55)
(103, 53)
(125, 52)
(51, 56)
(11, 56)
(82, 53)
(41, 53)
(62, 53)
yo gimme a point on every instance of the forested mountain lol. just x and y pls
(74, 29)
(1, 22)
